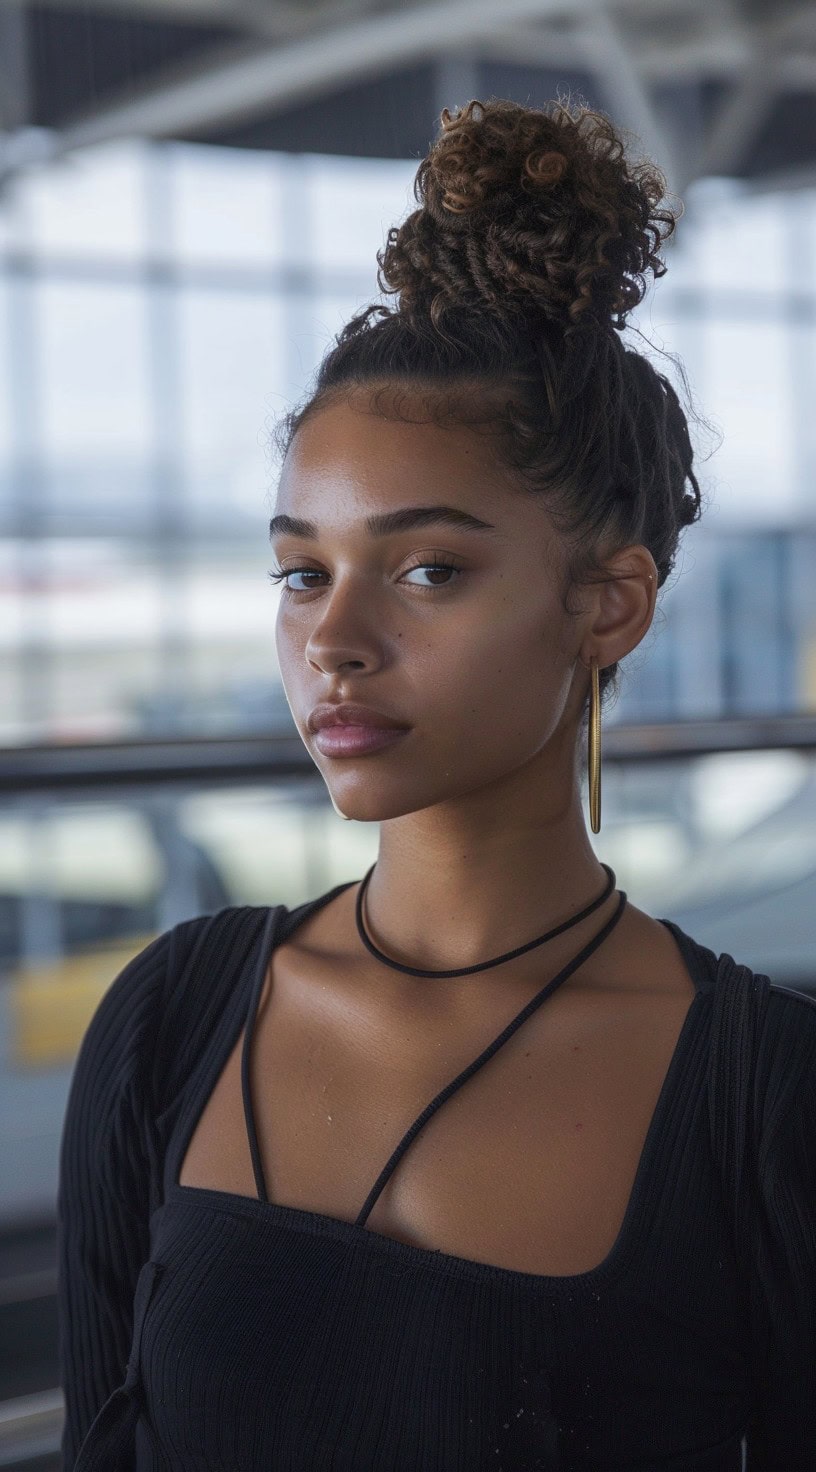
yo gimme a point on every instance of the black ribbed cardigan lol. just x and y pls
(200, 1329)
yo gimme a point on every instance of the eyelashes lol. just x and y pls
(439, 564)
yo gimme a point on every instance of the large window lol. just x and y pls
(162, 304)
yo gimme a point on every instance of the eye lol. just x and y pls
(278, 575)
(440, 564)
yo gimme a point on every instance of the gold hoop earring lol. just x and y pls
(594, 748)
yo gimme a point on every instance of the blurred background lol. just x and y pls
(192, 194)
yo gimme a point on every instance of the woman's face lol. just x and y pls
(479, 661)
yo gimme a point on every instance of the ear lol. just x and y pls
(622, 608)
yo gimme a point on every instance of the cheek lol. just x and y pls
(506, 679)
(290, 640)
(292, 670)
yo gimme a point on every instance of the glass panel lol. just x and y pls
(157, 424)
(11, 634)
(225, 205)
(331, 311)
(99, 611)
(96, 423)
(89, 203)
(735, 240)
(5, 396)
(229, 680)
(747, 391)
(232, 366)
(353, 203)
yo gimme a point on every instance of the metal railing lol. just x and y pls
(97, 765)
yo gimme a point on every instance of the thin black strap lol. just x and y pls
(265, 946)
(278, 926)
(488, 1052)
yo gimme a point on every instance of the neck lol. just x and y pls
(443, 897)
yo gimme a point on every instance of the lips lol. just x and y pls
(357, 741)
(352, 714)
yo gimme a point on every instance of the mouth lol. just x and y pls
(348, 740)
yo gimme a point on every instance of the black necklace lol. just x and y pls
(483, 965)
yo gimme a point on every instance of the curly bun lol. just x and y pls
(529, 208)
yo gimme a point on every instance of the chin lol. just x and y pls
(370, 807)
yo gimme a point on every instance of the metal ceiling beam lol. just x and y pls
(751, 55)
(657, 61)
(740, 117)
(709, 58)
(794, 23)
(15, 76)
(784, 180)
(236, 85)
(718, 49)
(274, 16)
(629, 100)
(339, 41)
(770, 69)
(275, 20)
(742, 112)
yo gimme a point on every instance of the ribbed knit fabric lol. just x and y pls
(205, 1330)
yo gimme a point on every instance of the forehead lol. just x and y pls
(345, 447)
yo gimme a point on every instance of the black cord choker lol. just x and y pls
(483, 965)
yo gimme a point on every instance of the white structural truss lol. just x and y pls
(284, 53)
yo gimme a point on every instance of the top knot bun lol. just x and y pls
(528, 209)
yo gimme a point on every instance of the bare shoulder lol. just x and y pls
(647, 955)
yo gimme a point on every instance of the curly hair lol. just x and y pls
(513, 278)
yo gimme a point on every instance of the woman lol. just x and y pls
(419, 1175)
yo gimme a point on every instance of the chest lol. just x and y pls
(530, 1164)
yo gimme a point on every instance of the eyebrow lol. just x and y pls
(389, 523)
